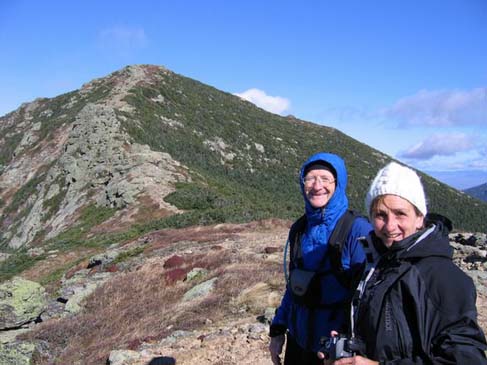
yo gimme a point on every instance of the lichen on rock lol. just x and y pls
(21, 301)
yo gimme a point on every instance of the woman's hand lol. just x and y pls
(275, 348)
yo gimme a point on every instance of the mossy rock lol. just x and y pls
(21, 302)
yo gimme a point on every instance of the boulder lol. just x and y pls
(21, 301)
(199, 290)
(123, 357)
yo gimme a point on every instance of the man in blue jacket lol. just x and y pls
(323, 179)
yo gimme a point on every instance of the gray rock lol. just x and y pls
(257, 328)
(199, 290)
(77, 288)
(480, 280)
(35, 251)
(196, 273)
(21, 301)
(471, 252)
(16, 353)
(123, 357)
(174, 337)
(103, 258)
(10, 335)
(55, 309)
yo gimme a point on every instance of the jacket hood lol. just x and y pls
(338, 203)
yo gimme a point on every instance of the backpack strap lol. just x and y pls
(335, 247)
(295, 232)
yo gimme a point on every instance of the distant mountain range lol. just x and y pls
(145, 148)
(479, 192)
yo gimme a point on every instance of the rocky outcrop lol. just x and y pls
(100, 159)
(89, 159)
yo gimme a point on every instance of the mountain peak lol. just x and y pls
(122, 81)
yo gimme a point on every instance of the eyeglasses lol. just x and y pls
(324, 180)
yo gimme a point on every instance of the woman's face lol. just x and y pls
(394, 219)
(319, 186)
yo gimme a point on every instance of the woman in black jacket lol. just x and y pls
(413, 305)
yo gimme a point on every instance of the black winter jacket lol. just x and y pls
(418, 307)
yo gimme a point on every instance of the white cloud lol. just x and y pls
(273, 104)
(441, 108)
(446, 144)
(123, 39)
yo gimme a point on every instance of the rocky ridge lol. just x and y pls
(89, 159)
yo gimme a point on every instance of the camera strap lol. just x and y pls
(372, 258)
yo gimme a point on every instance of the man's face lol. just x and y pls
(319, 186)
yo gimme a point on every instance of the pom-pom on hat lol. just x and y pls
(397, 180)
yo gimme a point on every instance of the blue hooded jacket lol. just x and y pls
(306, 325)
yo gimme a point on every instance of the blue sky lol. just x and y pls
(406, 77)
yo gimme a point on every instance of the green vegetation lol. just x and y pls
(16, 263)
(75, 236)
(192, 196)
(465, 212)
(124, 256)
(52, 205)
(58, 273)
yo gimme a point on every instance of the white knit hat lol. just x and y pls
(397, 180)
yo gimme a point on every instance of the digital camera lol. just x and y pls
(338, 347)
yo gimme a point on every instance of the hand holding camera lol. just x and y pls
(337, 347)
(342, 350)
